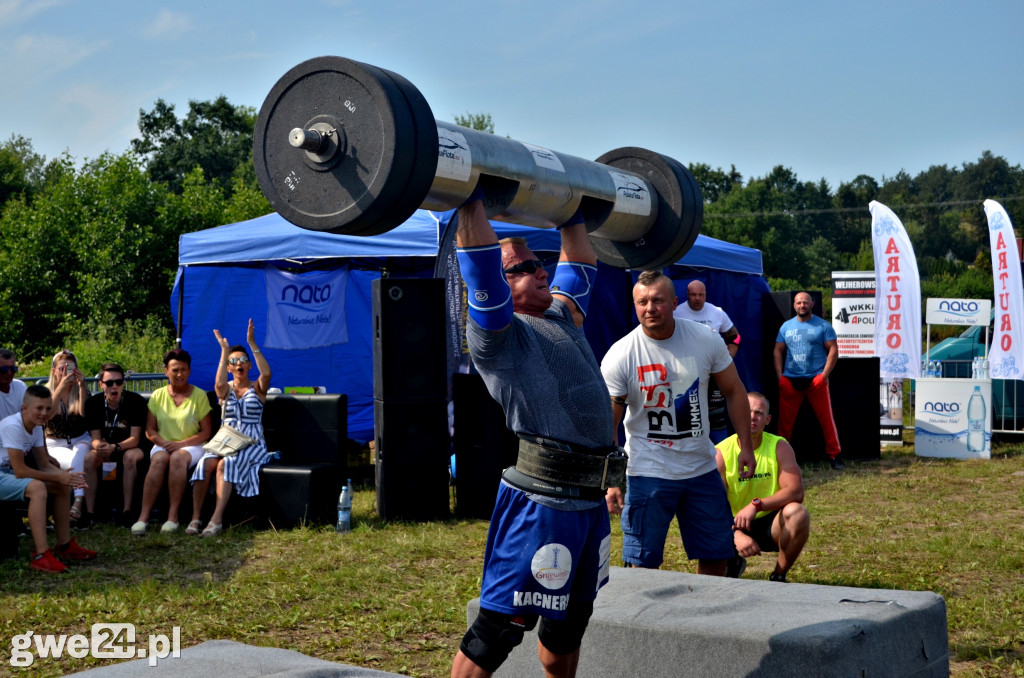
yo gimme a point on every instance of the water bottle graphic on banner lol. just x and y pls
(976, 422)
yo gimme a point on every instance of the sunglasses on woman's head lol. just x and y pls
(4, 369)
(113, 382)
(237, 361)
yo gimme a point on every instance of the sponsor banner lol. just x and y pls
(954, 418)
(544, 157)
(957, 311)
(897, 296)
(454, 156)
(306, 310)
(631, 194)
(890, 408)
(853, 313)
(1006, 355)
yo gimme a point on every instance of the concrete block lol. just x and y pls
(660, 624)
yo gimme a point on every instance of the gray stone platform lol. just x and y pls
(228, 658)
(659, 624)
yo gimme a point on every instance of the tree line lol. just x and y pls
(92, 248)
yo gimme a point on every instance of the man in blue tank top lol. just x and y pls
(548, 546)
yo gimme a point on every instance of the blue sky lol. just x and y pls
(828, 89)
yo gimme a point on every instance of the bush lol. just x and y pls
(137, 345)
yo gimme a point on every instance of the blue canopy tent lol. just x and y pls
(224, 274)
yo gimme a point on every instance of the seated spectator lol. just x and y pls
(116, 418)
(243, 401)
(21, 433)
(12, 391)
(178, 424)
(67, 436)
(768, 509)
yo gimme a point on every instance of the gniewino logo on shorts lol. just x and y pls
(551, 565)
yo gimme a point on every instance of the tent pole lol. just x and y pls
(181, 305)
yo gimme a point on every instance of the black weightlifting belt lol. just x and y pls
(558, 469)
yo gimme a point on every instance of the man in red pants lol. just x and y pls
(806, 351)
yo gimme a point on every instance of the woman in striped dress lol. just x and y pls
(243, 401)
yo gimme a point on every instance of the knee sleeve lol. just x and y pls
(493, 635)
(564, 636)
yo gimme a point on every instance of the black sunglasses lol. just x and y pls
(528, 267)
(13, 369)
(113, 382)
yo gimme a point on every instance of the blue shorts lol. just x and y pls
(12, 488)
(538, 556)
(705, 519)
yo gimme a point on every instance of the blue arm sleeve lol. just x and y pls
(575, 280)
(490, 299)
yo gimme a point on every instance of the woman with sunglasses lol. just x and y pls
(178, 424)
(243, 400)
(67, 435)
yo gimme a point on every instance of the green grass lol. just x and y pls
(392, 596)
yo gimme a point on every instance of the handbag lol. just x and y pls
(227, 441)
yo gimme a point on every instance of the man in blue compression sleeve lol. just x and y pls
(549, 543)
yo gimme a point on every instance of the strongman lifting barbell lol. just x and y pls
(350, 148)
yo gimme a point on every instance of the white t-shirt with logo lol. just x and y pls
(13, 435)
(665, 383)
(11, 401)
(710, 315)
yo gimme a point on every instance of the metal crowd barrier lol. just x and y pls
(142, 382)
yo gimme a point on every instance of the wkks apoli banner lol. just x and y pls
(853, 313)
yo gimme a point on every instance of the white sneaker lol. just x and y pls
(139, 529)
(169, 527)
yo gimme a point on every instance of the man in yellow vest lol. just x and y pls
(768, 510)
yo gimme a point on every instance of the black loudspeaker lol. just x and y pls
(853, 387)
(484, 446)
(411, 440)
(409, 355)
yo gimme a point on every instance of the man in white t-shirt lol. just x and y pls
(657, 376)
(12, 391)
(700, 311)
(21, 434)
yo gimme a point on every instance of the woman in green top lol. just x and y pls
(179, 423)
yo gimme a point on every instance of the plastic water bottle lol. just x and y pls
(938, 369)
(345, 508)
(976, 421)
(984, 369)
(974, 368)
(931, 368)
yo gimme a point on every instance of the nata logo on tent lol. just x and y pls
(551, 565)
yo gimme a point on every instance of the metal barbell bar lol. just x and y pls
(351, 148)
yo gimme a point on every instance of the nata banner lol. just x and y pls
(1007, 353)
(897, 296)
(306, 310)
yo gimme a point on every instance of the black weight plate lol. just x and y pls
(377, 141)
(424, 165)
(680, 212)
(422, 162)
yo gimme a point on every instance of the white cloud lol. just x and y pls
(13, 12)
(169, 24)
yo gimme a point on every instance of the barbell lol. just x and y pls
(351, 148)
